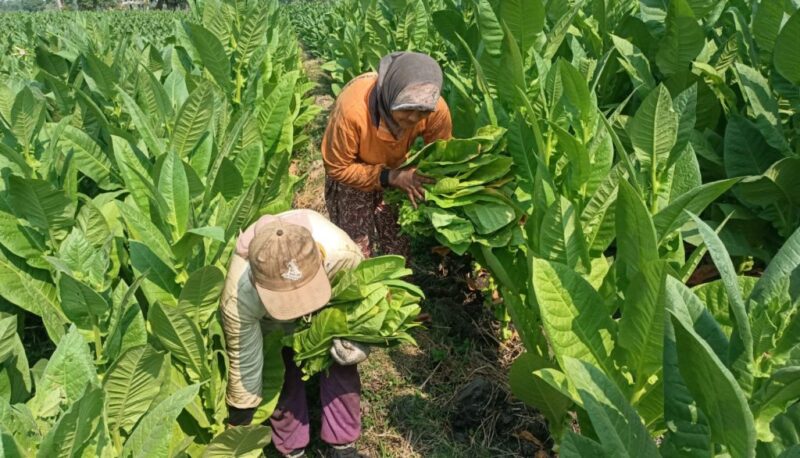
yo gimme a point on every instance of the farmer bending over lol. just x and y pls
(374, 123)
(280, 272)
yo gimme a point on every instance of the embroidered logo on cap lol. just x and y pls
(293, 274)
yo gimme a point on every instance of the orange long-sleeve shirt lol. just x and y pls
(355, 151)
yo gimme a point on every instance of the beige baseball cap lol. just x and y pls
(287, 270)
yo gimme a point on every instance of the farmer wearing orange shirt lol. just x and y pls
(374, 123)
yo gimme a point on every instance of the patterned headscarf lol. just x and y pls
(406, 81)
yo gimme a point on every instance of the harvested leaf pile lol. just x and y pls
(370, 305)
(472, 199)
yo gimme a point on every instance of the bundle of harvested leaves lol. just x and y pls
(472, 199)
(370, 304)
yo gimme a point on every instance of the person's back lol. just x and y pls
(280, 271)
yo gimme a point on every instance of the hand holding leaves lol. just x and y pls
(410, 182)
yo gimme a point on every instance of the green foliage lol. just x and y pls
(472, 200)
(370, 304)
(638, 132)
(130, 163)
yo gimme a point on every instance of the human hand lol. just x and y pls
(410, 182)
(347, 353)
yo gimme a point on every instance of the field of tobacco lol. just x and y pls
(625, 170)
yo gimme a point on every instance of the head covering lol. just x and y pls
(406, 81)
(286, 270)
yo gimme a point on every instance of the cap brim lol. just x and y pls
(289, 305)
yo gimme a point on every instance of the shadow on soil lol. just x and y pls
(461, 404)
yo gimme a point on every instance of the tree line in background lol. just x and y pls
(32, 6)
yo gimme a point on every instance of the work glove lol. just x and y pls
(347, 353)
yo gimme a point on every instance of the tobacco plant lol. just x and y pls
(626, 120)
(128, 172)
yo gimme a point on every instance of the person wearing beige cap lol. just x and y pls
(281, 271)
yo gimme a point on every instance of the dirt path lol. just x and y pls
(448, 397)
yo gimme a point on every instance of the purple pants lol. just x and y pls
(340, 393)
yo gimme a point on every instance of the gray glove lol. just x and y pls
(347, 353)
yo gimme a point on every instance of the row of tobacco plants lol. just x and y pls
(129, 163)
(647, 139)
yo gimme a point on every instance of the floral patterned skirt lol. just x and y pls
(366, 218)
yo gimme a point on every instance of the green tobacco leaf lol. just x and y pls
(511, 82)
(773, 287)
(81, 304)
(142, 229)
(131, 384)
(775, 193)
(79, 258)
(688, 432)
(521, 147)
(560, 237)
(688, 307)
(199, 298)
(654, 129)
(537, 393)
(599, 214)
(780, 391)
(67, 373)
(715, 297)
(524, 19)
(577, 446)
(271, 376)
(675, 215)
(787, 55)
(556, 35)
(72, 435)
(758, 94)
(8, 445)
(274, 109)
(491, 30)
(134, 174)
(767, 23)
(746, 150)
(160, 284)
(142, 124)
(181, 337)
(636, 64)
(126, 325)
(786, 430)
(28, 289)
(741, 350)
(253, 33)
(641, 328)
(8, 330)
(88, 156)
(92, 223)
(683, 42)
(242, 441)
(618, 426)
(41, 204)
(152, 435)
(212, 55)
(722, 401)
(380, 268)
(173, 185)
(489, 217)
(193, 120)
(228, 181)
(573, 315)
(636, 236)
(99, 76)
(685, 104)
(26, 114)
(16, 377)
